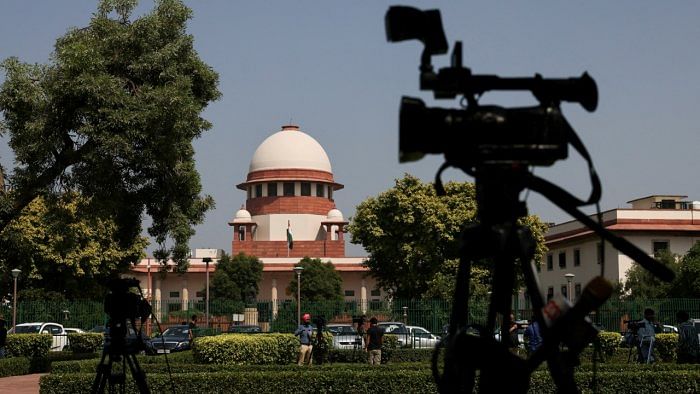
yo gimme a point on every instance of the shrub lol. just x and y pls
(665, 347)
(609, 341)
(246, 349)
(88, 342)
(14, 366)
(28, 345)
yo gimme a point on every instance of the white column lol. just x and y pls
(273, 297)
(185, 295)
(363, 297)
(157, 299)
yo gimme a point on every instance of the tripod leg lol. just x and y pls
(103, 372)
(137, 373)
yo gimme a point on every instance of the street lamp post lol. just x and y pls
(405, 315)
(207, 260)
(298, 270)
(15, 274)
(569, 277)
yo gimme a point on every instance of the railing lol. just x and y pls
(280, 315)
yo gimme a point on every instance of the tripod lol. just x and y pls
(117, 350)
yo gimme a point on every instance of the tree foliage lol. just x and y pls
(236, 278)
(413, 237)
(60, 249)
(112, 116)
(319, 281)
(640, 284)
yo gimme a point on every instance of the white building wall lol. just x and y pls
(273, 227)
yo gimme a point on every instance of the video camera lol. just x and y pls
(480, 134)
(319, 321)
(634, 325)
(124, 304)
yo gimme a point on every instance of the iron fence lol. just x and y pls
(281, 316)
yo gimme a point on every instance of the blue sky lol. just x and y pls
(327, 67)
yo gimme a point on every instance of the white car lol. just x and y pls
(60, 337)
(422, 338)
(345, 336)
(73, 330)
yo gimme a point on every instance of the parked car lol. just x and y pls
(174, 339)
(73, 330)
(60, 338)
(396, 328)
(522, 325)
(244, 329)
(345, 336)
(422, 338)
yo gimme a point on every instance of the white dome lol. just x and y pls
(290, 148)
(335, 215)
(242, 215)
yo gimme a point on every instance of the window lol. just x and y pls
(288, 188)
(550, 293)
(258, 190)
(241, 233)
(659, 246)
(349, 293)
(550, 262)
(562, 259)
(174, 294)
(577, 257)
(375, 293)
(599, 252)
(271, 189)
(330, 193)
(319, 190)
(667, 204)
(563, 291)
(577, 290)
(305, 189)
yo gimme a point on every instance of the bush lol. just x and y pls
(665, 347)
(341, 379)
(28, 345)
(609, 341)
(246, 349)
(88, 342)
(14, 366)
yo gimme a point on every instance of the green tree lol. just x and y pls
(319, 281)
(112, 116)
(413, 236)
(60, 249)
(641, 284)
(687, 282)
(236, 278)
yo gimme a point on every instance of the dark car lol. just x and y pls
(244, 329)
(174, 339)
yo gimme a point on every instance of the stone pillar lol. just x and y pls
(273, 298)
(157, 299)
(363, 297)
(185, 295)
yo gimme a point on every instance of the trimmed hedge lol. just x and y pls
(372, 379)
(246, 349)
(87, 342)
(28, 345)
(301, 380)
(665, 347)
(609, 341)
(14, 366)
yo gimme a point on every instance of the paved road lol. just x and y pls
(24, 384)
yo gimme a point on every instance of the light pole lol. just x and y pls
(207, 260)
(568, 277)
(15, 274)
(298, 270)
(405, 315)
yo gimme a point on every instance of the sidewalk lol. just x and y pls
(23, 384)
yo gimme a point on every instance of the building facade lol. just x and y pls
(653, 223)
(289, 213)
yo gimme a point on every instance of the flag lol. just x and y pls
(290, 240)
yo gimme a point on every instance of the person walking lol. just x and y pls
(305, 333)
(374, 338)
